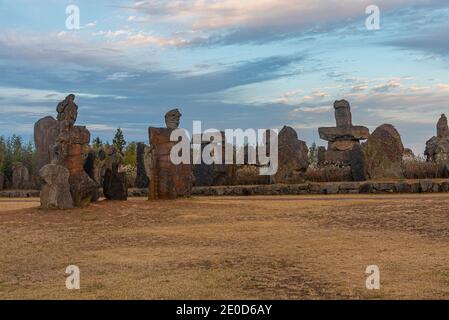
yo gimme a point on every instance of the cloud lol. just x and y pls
(62, 47)
(391, 84)
(430, 41)
(236, 21)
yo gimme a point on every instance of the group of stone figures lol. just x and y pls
(74, 175)
(383, 153)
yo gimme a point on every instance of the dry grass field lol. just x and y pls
(283, 247)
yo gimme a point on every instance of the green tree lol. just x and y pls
(313, 153)
(13, 150)
(119, 140)
(97, 143)
(130, 156)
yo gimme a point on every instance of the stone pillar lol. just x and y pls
(342, 138)
(168, 181)
(343, 114)
(142, 180)
(442, 127)
(46, 131)
(293, 157)
(55, 192)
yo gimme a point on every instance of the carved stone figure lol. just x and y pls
(55, 193)
(115, 185)
(293, 157)
(341, 138)
(142, 180)
(437, 148)
(384, 153)
(172, 119)
(167, 180)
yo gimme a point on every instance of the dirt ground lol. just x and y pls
(280, 247)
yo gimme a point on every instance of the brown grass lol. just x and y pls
(328, 173)
(421, 169)
(288, 247)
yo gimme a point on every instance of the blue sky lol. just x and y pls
(228, 63)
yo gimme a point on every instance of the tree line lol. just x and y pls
(14, 149)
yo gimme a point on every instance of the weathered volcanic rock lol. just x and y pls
(442, 127)
(437, 148)
(342, 138)
(93, 166)
(82, 188)
(55, 193)
(216, 173)
(142, 180)
(46, 130)
(115, 186)
(172, 119)
(358, 163)
(293, 158)
(168, 181)
(384, 153)
(20, 176)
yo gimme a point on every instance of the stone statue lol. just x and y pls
(342, 138)
(437, 148)
(172, 119)
(67, 110)
(442, 127)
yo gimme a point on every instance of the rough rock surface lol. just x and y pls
(168, 181)
(437, 148)
(115, 186)
(55, 193)
(46, 131)
(216, 174)
(384, 153)
(142, 180)
(20, 177)
(68, 151)
(358, 163)
(293, 157)
(342, 138)
(172, 119)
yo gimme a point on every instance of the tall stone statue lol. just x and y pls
(115, 186)
(67, 150)
(67, 110)
(437, 148)
(343, 137)
(167, 180)
(442, 127)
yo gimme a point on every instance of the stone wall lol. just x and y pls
(367, 187)
(412, 186)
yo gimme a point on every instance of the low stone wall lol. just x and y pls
(380, 187)
(20, 194)
(414, 186)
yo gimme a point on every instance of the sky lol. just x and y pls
(228, 63)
